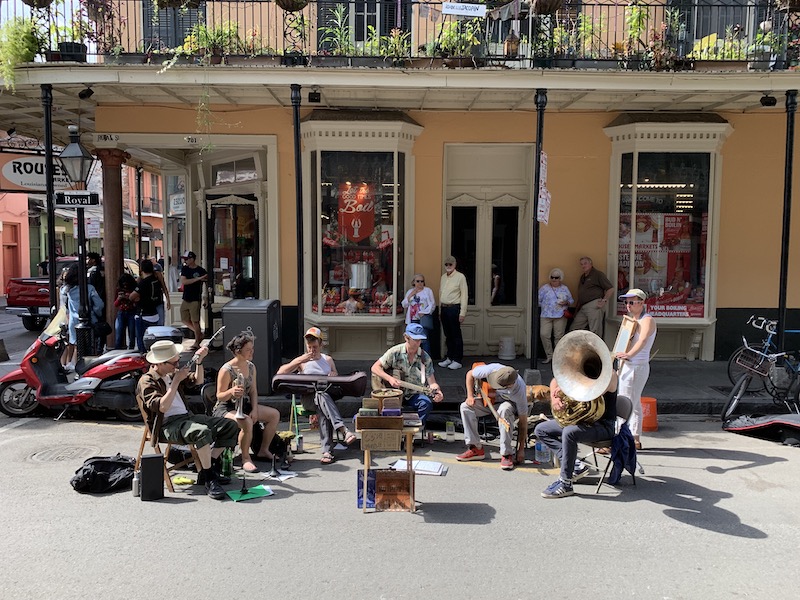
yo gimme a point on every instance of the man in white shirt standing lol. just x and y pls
(453, 301)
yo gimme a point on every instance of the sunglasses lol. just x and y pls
(419, 281)
(633, 301)
(448, 264)
(175, 362)
(551, 277)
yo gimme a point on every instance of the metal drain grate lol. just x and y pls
(64, 453)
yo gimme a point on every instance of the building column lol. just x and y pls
(112, 160)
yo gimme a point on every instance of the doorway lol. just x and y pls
(489, 240)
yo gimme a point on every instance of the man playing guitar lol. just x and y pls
(409, 363)
(510, 394)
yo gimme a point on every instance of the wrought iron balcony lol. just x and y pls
(668, 35)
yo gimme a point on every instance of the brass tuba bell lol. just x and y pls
(583, 368)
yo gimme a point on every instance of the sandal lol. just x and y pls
(249, 467)
(637, 445)
(603, 451)
(349, 438)
(327, 458)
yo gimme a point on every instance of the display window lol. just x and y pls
(663, 231)
(358, 209)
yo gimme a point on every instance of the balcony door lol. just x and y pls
(489, 240)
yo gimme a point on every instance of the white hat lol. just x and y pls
(634, 293)
(163, 351)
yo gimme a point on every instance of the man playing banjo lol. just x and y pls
(409, 363)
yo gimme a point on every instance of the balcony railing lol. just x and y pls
(667, 35)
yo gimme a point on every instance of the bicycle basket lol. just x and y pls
(754, 361)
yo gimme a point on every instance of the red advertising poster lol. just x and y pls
(677, 232)
(356, 211)
(648, 228)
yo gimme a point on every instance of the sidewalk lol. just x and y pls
(680, 387)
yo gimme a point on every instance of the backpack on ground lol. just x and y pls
(102, 474)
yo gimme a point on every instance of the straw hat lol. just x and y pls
(163, 351)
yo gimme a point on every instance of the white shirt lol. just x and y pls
(178, 407)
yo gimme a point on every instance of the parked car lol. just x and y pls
(29, 297)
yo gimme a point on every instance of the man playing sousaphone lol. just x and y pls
(583, 396)
(511, 396)
(409, 363)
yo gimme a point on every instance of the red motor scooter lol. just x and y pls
(99, 382)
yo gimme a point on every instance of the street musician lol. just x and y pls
(512, 403)
(408, 363)
(583, 397)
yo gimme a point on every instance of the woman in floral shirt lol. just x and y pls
(554, 298)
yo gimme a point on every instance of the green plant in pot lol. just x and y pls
(20, 42)
(336, 35)
(396, 46)
(213, 42)
(459, 40)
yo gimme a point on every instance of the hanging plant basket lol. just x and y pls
(162, 4)
(292, 5)
(38, 3)
(546, 7)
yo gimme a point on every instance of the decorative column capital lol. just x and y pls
(112, 157)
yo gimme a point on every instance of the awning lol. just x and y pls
(94, 213)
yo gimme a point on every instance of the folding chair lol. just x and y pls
(208, 394)
(624, 411)
(155, 441)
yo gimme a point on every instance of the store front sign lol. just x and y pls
(464, 9)
(356, 211)
(26, 173)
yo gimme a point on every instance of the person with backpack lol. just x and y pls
(148, 294)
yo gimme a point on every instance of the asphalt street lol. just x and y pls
(714, 516)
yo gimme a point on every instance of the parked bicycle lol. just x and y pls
(767, 346)
(779, 373)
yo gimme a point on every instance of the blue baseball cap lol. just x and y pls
(416, 331)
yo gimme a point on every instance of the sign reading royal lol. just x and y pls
(76, 199)
(25, 173)
(463, 9)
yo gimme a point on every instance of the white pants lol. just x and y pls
(632, 379)
(549, 328)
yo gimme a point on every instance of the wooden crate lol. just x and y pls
(381, 439)
(378, 423)
(393, 490)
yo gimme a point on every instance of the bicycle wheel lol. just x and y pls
(735, 372)
(738, 391)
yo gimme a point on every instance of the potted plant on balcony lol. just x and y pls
(335, 39)
(213, 42)
(20, 41)
(728, 54)
(590, 43)
(396, 47)
(765, 49)
(460, 43)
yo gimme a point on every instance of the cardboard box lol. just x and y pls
(381, 439)
(378, 423)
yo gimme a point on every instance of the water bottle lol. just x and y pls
(542, 453)
(135, 486)
(450, 431)
(299, 444)
(227, 462)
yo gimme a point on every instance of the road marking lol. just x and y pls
(17, 423)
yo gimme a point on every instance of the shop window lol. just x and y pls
(235, 171)
(663, 228)
(175, 231)
(357, 222)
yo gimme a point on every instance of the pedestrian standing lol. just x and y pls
(594, 290)
(453, 298)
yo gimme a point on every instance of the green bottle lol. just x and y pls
(227, 462)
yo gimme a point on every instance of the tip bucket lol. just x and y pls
(649, 414)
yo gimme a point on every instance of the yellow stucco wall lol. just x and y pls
(579, 154)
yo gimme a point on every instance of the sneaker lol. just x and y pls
(454, 365)
(214, 490)
(445, 362)
(581, 470)
(472, 453)
(507, 462)
(558, 489)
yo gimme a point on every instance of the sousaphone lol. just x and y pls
(583, 368)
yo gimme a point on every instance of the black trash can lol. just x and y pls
(263, 319)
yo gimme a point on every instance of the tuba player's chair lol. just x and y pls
(624, 411)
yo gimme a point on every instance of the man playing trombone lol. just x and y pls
(410, 364)
(511, 394)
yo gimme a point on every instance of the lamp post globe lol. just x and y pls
(77, 163)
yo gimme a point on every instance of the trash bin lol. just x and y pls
(263, 319)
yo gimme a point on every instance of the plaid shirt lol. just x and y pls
(395, 362)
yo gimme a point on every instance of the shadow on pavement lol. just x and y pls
(456, 513)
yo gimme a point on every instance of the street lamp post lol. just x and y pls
(77, 163)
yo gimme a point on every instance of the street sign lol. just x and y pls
(463, 9)
(92, 225)
(76, 199)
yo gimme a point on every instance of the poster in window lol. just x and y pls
(677, 232)
(356, 211)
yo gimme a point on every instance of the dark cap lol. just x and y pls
(188, 254)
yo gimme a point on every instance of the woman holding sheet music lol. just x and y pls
(635, 361)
